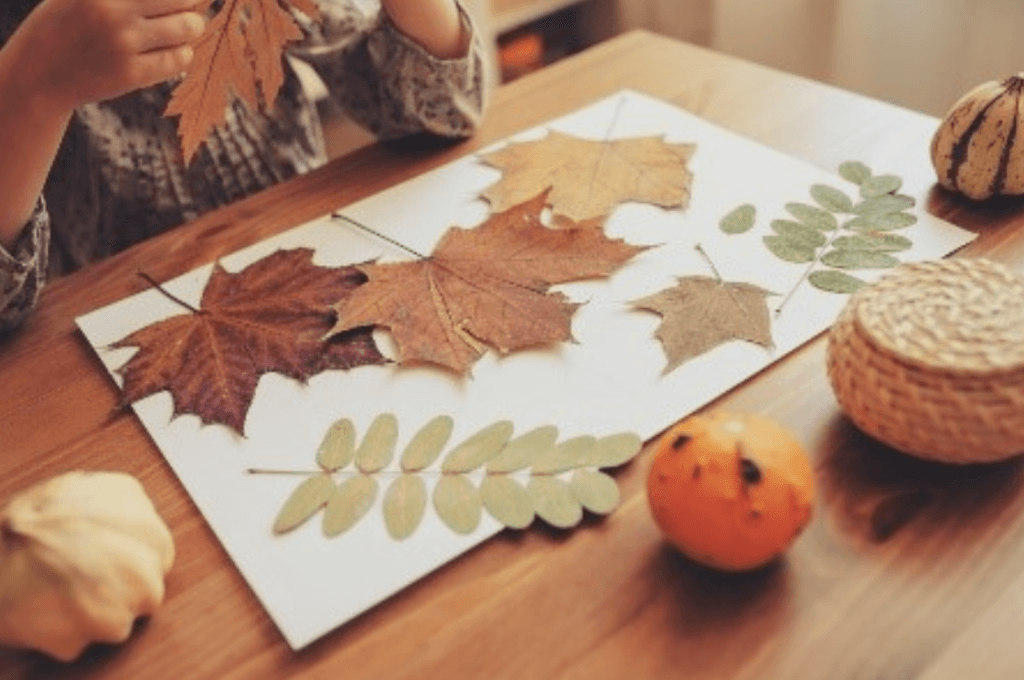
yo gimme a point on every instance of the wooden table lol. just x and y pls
(909, 570)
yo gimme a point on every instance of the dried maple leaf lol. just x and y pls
(699, 313)
(271, 316)
(589, 178)
(484, 286)
(239, 55)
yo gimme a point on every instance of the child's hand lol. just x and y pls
(434, 24)
(81, 51)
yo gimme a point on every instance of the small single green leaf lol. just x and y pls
(524, 449)
(854, 171)
(880, 186)
(613, 450)
(884, 205)
(813, 216)
(457, 503)
(478, 448)
(378, 446)
(858, 259)
(831, 281)
(507, 501)
(568, 455)
(596, 491)
(404, 503)
(338, 446)
(347, 505)
(788, 251)
(831, 199)
(308, 497)
(885, 222)
(799, 234)
(554, 503)
(739, 220)
(882, 242)
(427, 444)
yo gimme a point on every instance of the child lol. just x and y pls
(91, 164)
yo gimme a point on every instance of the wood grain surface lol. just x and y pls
(909, 570)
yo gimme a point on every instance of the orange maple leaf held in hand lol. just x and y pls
(239, 55)
(484, 286)
(590, 178)
(271, 316)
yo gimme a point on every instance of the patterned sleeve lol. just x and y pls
(23, 270)
(389, 83)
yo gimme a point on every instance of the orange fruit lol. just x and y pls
(730, 491)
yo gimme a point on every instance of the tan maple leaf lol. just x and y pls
(699, 313)
(590, 178)
(239, 55)
(271, 316)
(485, 286)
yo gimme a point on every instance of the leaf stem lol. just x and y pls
(170, 296)
(398, 244)
(707, 258)
(807, 271)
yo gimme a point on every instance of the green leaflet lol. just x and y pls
(347, 505)
(507, 501)
(308, 497)
(831, 281)
(613, 450)
(858, 259)
(831, 199)
(813, 216)
(881, 222)
(880, 242)
(457, 503)
(738, 220)
(884, 205)
(566, 456)
(427, 444)
(478, 449)
(596, 491)
(854, 171)
(524, 449)
(799, 234)
(554, 502)
(404, 504)
(880, 185)
(789, 251)
(338, 446)
(378, 447)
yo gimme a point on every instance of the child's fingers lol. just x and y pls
(169, 31)
(159, 8)
(154, 67)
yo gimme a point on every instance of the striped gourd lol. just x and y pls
(978, 149)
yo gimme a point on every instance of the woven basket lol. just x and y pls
(930, 360)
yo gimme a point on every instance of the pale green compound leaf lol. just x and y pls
(427, 444)
(799, 233)
(858, 259)
(457, 503)
(596, 491)
(507, 501)
(404, 504)
(832, 281)
(788, 251)
(739, 220)
(613, 450)
(554, 502)
(813, 216)
(884, 222)
(831, 199)
(880, 185)
(347, 505)
(884, 205)
(854, 171)
(378, 446)
(303, 503)
(568, 455)
(878, 242)
(524, 449)
(478, 448)
(338, 446)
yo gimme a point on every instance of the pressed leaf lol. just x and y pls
(596, 491)
(524, 449)
(880, 242)
(507, 501)
(554, 502)
(880, 185)
(613, 450)
(478, 449)
(338, 446)
(854, 171)
(813, 216)
(831, 199)
(404, 504)
(568, 455)
(303, 503)
(738, 220)
(457, 503)
(884, 205)
(427, 444)
(882, 222)
(799, 234)
(347, 505)
(378, 446)
(858, 259)
(785, 249)
(831, 281)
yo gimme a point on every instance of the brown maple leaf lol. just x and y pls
(484, 286)
(699, 313)
(239, 55)
(590, 178)
(271, 316)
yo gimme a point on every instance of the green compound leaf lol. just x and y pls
(880, 185)
(813, 216)
(832, 281)
(524, 449)
(858, 259)
(831, 199)
(876, 241)
(884, 222)
(347, 505)
(427, 444)
(799, 233)
(566, 456)
(338, 446)
(554, 502)
(854, 171)
(739, 220)
(478, 449)
(404, 504)
(457, 503)
(613, 450)
(884, 205)
(378, 447)
(303, 503)
(507, 501)
(596, 491)
(786, 250)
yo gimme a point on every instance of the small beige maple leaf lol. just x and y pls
(590, 178)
